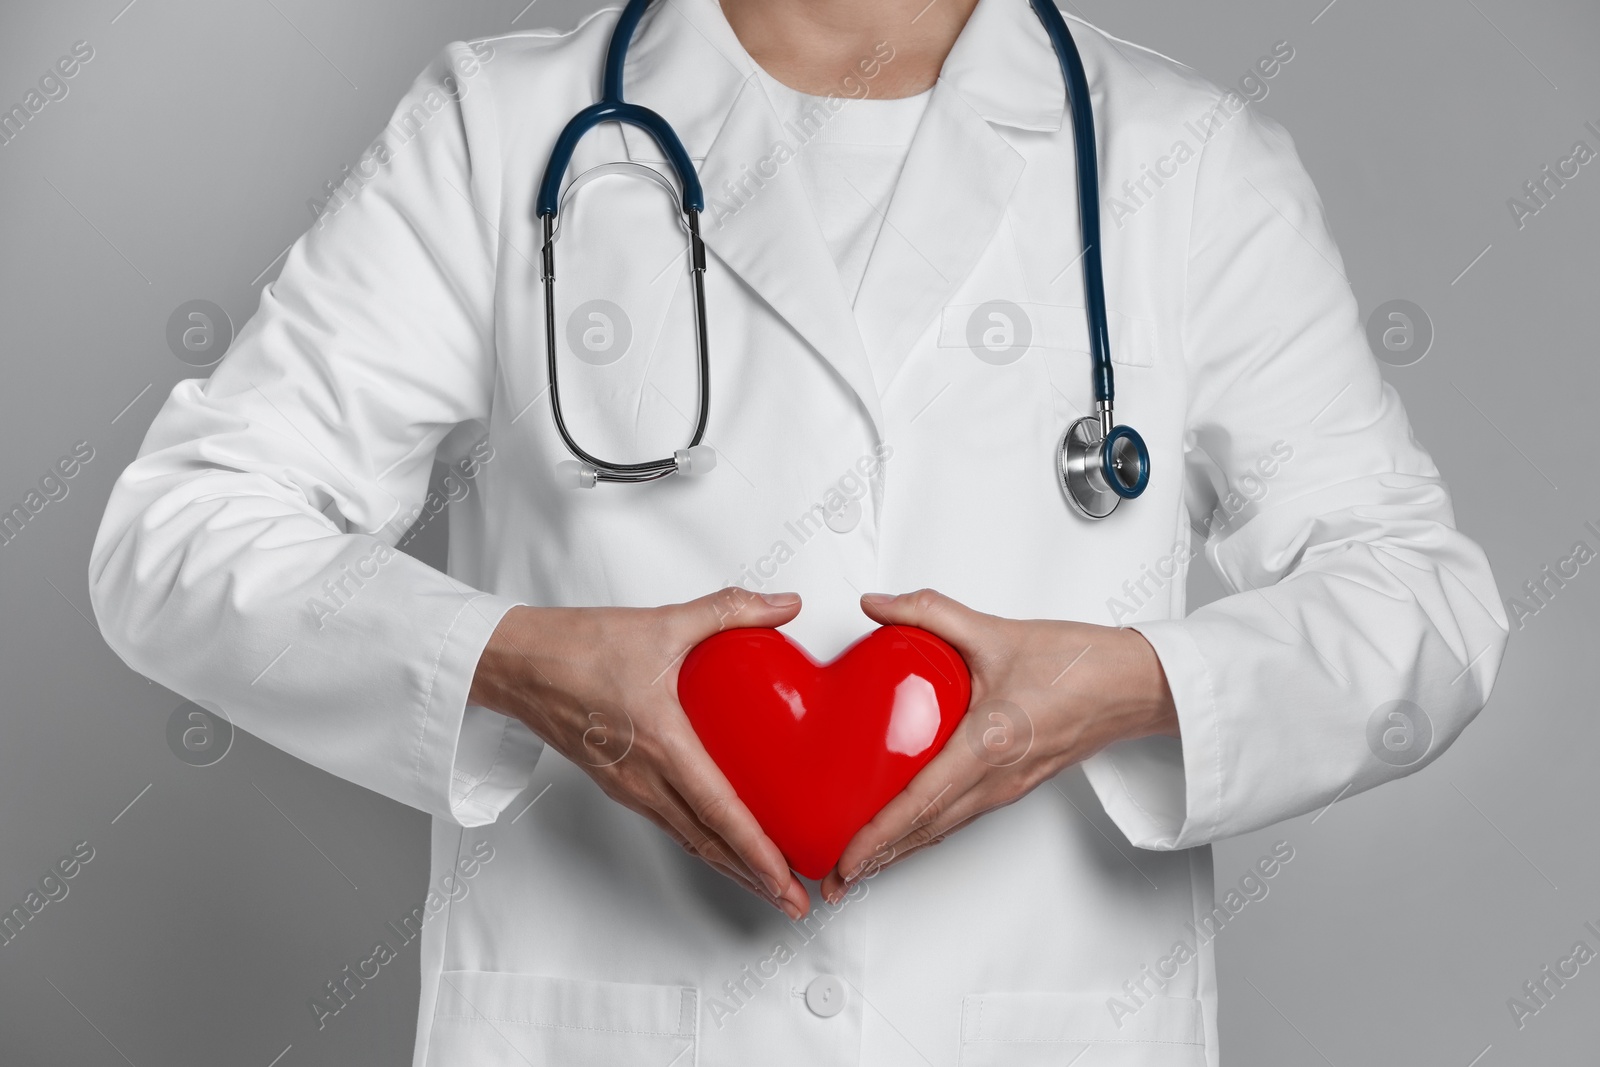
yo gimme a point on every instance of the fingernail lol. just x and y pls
(833, 896)
(774, 886)
(878, 598)
(790, 910)
(781, 600)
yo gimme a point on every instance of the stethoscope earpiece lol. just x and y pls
(698, 459)
(572, 474)
(1099, 470)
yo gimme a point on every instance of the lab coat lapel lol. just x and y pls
(958, 176)
(950, 199)
(765, 230)
(688, 65)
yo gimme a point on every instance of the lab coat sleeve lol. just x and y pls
(245, 559)
(1350, 587)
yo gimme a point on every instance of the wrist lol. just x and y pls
(1154, 711)
(499, 682)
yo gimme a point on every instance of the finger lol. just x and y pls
(698, 850)
(699, 839)
(937, 795)
(834, 887)
(709, 844)
(974, 804)
(733, 607)
(926, 609)
(673, 814)
(714, 803)
(965, 809)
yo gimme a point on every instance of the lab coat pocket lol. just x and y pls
(493, 1019)
(1036, 1029)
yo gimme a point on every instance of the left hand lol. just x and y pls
(1045, 695)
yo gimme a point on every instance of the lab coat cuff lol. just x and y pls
(474, 759)
(1162, 792)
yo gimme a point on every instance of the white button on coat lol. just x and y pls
(825, 996)
(844, 517)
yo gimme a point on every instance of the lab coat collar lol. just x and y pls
(687, 64)
(1003, 66)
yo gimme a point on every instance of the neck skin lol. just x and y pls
(819, 47)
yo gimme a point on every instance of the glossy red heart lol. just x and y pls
(816, 750)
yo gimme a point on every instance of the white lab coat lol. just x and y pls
(409, 323)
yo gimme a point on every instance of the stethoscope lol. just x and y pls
(1098, 463)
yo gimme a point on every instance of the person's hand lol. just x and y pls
(1045, 695)
(600, 686)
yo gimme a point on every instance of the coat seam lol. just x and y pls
(427, 706)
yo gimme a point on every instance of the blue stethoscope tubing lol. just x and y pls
(1099, 463)
(612, 108)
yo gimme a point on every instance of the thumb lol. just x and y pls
(733, 607)
(926, 609)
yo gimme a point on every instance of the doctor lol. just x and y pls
(898, 337)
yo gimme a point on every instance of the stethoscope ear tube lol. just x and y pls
(1099, 463)
(611, 107)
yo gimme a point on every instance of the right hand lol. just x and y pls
(600, 686)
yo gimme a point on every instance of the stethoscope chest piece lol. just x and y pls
(1098, 470)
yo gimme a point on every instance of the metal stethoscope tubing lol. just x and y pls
(695, 457)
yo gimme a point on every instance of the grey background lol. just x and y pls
(179, 167)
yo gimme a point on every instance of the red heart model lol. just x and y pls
(816, 750)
